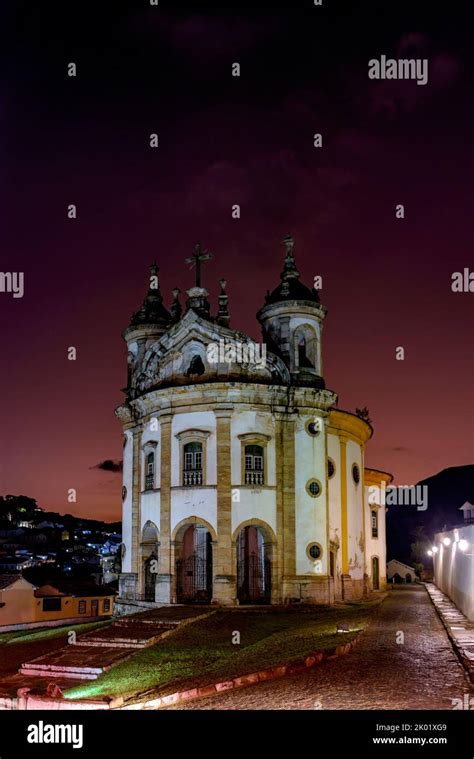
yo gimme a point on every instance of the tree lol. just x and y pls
(419, 547)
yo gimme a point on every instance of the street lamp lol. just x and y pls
(435, 549)
(447, 541)
(463, 545)
(430, 553)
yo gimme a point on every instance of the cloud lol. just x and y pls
(208, 37)
(393, 97)
(109, 465)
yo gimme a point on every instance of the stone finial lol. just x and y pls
(289, 268)
(176, 308)
(289, 245)
(223, 316)
(152, 310)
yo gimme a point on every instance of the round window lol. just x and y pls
(314, 551)
(331, 468)
(313, 428)
(313, 487)
(356, 474)
(124, 493)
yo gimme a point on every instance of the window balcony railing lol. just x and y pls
(149, 484)
(192, 477)
(253, 478)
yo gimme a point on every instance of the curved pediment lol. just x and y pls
(197, 350)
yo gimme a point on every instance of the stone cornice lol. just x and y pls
(376, 476)
(292, 308)
(193, 433)
(253, 436)
(343, 423)
(226, 395)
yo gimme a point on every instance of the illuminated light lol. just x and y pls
(430, 553)
(463, 545)
(435, 549)
(447, 541)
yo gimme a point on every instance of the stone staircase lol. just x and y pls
(75, 662)
(97, 651)
(127, 633)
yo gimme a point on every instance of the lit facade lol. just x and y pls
(453, 563)
(242, 483)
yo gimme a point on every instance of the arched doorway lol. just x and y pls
(254, 569)
(194, 566)
(375, 573)
(150, 568)
(149, 551)
(408, 577)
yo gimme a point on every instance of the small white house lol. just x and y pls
(468, 511)
(398, 572)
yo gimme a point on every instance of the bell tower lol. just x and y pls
(146, 326)
(292, 323)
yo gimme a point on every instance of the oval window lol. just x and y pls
(314, 551)
(313, 487)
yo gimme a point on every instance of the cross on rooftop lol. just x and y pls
(196, 260)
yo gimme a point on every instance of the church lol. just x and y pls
(243, 483)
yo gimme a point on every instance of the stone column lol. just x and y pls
(365, 582)
(132, 581)
(165, 576)
(289, 506)
(346, 579)
(286, 503)
(277, 563)
(224, 587)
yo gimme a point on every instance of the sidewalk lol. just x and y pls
(460, 630)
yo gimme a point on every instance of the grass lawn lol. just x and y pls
(47, 633)
(203, 652)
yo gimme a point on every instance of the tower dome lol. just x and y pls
(292, 320)
(147, 324)
(152, 310)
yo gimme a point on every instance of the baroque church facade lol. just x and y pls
(242, 481)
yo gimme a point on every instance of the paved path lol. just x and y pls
(421, 673)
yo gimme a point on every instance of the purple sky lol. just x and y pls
(386, 282)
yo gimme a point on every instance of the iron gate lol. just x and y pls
(254, 574)
(194, 579)
(150, 577)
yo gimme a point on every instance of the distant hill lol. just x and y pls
(448, 490)
(22, 507)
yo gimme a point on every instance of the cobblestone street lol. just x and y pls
(421, 673)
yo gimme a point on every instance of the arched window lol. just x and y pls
(196, 367)
(375, 524)
(254, 469)
(303, 360)
(305, 348)
(192, 472)
(150, 471)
